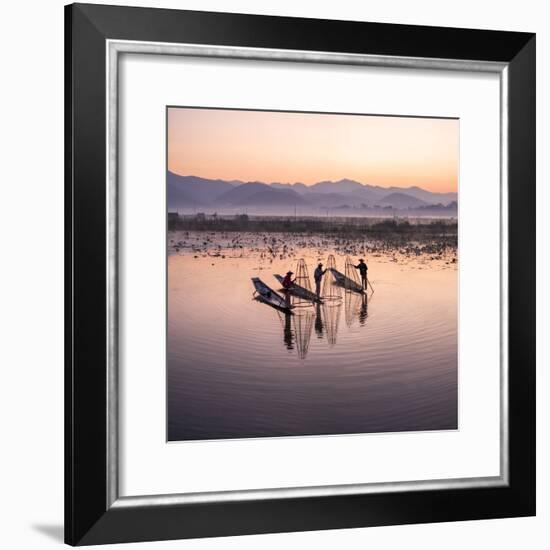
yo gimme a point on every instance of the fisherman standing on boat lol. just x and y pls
(318, 276)
(287, 284)
(363, 268)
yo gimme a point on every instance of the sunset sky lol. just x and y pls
(292, 147)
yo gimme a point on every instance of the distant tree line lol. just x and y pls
(401, 229)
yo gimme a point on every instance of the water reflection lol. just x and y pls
(301, 311)
(363, 311)
(330, 312)
(303, 324)
(324, 319)
(319, 325)
(288, 333)
(389, 371)
(297, 331)
(356, 306)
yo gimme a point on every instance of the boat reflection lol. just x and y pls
(363, 311)
(324, 319)
(319, 324)
(288, 333)
(300, 314)
(297, 331)
(356, 306)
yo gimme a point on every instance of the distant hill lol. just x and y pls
(192, 192)
(178, 197)
(269, 198)
(328, 200)
(259, 194)
(236, 195)
(401, 201)
(426, 196)
(369, 194)
(298, 186)
(340, 186)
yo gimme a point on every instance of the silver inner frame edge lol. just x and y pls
(116, 47)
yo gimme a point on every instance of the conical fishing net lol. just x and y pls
(352, 304)
(331, 318)
(302, 281)
(331, 291)
(303, 325)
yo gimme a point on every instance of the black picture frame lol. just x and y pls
(92, 514)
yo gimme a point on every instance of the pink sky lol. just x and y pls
(291, 147)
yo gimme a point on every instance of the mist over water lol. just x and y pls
(239, 368)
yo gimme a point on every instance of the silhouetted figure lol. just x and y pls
(363, 268)
(318, 276)
(287, 281)
(287, 284)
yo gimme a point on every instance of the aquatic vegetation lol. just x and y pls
(439, 251)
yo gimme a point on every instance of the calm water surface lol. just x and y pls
(239, 368)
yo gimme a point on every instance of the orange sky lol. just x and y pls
(291, 147)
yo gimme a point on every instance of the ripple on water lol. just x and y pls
(238, 368)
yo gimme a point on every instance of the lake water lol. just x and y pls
(240, 368)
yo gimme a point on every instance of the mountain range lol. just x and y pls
(192, 192)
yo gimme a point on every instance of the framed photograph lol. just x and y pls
(300, 274)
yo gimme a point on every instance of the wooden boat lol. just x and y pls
(300, 291)
(346, 282)
(268, 296)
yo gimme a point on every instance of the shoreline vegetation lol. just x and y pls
(432, 239)
(394, 229)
